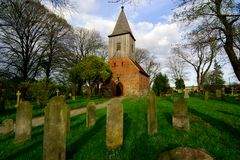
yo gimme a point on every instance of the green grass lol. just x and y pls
(215, 127)
(39, 111)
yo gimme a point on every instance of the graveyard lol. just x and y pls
(214, 127)
(119, 80)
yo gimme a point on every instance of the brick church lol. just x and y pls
(128, 77)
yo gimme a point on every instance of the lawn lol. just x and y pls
(80, 102)
(215, 127)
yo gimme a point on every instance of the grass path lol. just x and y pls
(37, 121)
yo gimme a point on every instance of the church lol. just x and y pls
(128, 77)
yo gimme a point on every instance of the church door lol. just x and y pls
(119, 89)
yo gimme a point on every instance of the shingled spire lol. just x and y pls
(122, 26)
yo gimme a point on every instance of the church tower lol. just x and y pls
(128, 77)
(122, 41)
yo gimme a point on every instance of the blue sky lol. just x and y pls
(150, 21)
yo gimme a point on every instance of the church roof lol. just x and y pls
(141, 70)
(122, 26)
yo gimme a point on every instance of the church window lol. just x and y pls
(114, 64)
(118, 46)
(122, 64)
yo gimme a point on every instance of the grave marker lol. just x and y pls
(180, 117)
(55, 129)
(6, 127)
(114, 126)
(57, 91)
(206, 96)
(186, 95)
(23, 122)
(91, 114)
(152, 114)
(18, 94)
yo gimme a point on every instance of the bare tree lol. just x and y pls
(223, 16)
(141, 55)
(86, 42)
(21, 34)
(177, 66)
(199, 55)
(55, 34)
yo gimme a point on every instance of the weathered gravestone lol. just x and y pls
(6, 127)
(218, 94)
(180, 117)
(55, 129)
(186, 95)
(114, 126)
(152, 115)
(23, 128)
(206, 96)
(91, 114)
(185, 153)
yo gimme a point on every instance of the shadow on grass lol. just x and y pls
(218, 124)
(79, 143)
(231, 114)
(126, 126)
(24, 151)
(168, 117)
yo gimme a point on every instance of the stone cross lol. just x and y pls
(152, 114)
(23, 129)
(18, 94)
(56, 125)
(114, 126)
(57, 92)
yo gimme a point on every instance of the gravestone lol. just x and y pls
(185, 153)
(57, 91)
(114, 126)
(206, 96)
(186, 95)
(152, 115)
(91, 114)
(180, 117)
(6, 127)
(55, 129)
(23, 128)
(218, 94)
(18, 94)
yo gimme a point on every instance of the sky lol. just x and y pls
(150, 21)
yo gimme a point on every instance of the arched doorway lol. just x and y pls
(119, 89)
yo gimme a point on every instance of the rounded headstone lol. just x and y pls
(185, 153)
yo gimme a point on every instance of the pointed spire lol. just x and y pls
(122, 26)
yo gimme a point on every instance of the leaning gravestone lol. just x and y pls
(218, 94)
(206, 96)
(55, 129)
(180, 117)
(23, 128)
(91, 114)
(114, 126)
(6, 127)
(152, 115)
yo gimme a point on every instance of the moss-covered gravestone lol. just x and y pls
(218, 94)
(114, 126)
(6, 127)
(180, 117)
(206, 96)
(91, 114)
(152, 115)
(185, 153)
(55, 129)
(23, 128)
